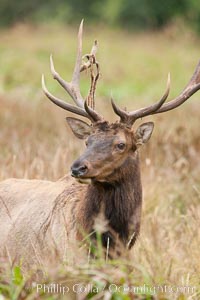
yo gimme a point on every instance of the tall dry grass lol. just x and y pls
(35, 142)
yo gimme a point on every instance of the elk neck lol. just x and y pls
(116, 203)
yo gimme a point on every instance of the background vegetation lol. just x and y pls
(134, 14)
(36, 143)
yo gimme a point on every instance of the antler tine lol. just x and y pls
(74, 109)
(72, 87)
(66, 85)
(192, 87)
(94, 75)
(76, 73)
(140, 113)
(130, 117)
(92, 113)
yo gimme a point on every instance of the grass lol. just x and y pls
(36, 143)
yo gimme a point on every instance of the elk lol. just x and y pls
(40, 218)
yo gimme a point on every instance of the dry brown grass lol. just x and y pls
(36, 143)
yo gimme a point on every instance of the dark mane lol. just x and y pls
(121, 200)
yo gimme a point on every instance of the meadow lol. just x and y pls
(35, 142)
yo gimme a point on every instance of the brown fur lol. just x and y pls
(42, 219)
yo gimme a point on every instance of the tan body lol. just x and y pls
(36, 218)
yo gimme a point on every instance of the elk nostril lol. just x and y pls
(83, 169)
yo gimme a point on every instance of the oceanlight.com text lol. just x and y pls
(79, 288)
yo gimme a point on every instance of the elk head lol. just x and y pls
(108, 145)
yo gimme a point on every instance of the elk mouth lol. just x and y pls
(84, 180)
(81, 178)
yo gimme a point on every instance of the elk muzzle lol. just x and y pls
(79, 169)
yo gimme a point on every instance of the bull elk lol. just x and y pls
(42, 217)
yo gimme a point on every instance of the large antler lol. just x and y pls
(73, 88)
(192, 87)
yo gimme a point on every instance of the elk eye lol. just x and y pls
(86, 143)
(121, 146)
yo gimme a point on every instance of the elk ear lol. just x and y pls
(143, 133)
(80, 129)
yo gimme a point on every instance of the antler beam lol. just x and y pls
(130, 117)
